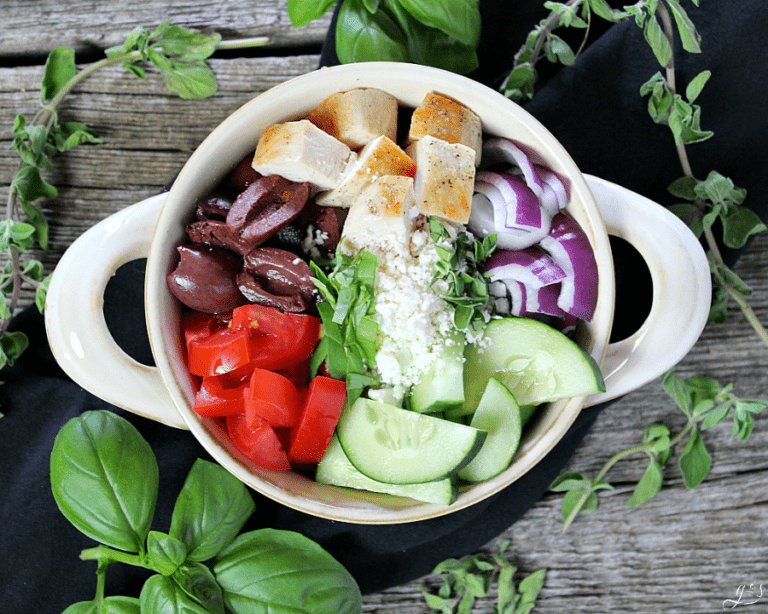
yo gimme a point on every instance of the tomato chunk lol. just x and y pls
(217, 397)
(220, 352)
(258, 441)
(279, 340)
(319, 414)
(273, 398)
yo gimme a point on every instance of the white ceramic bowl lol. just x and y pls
(153, 228)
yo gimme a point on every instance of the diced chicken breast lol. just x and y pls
(300, 151)
(445, 178)
(382, 156)
(382, 217)
(449, 120)
(357, 116)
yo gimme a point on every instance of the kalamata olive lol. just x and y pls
(216, 233)
(205, 278)
(213, 207)
(264, 207)
(277, 278)
(243, 175)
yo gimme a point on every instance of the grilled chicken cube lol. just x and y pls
(357, 116)
(449, 120)
(445, 178)
(382, 216)
(380, 157)
(301, 152)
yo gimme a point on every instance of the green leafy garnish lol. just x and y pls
(180, 55)
(203, 564)
(705, 403)
(350, 333)
(466, 580)
(461, 267)
(440, 33)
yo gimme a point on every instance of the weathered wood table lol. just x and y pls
(684, 551)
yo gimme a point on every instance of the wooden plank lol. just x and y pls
(34, 28)
(144, 145)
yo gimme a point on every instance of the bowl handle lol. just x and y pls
(74, 316)
(682, 289)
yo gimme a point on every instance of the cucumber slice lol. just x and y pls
(398, 446)
(499, 414)
(536, 362)
(442, 386)
(336, 469)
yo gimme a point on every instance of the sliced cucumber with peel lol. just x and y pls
(499, 414)
(536, 362)
(442, 386)
(336, 469)
(399, 446)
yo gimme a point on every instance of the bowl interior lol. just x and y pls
(235, 138)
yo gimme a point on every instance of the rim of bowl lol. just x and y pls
(234, 138)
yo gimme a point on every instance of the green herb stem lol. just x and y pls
(106, 555)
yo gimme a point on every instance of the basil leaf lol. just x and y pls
(695, 461)
(59, 69)
(110, 605)
(284, 572)
(361, 36)
(165, 553)
(161, 594)
(210, 510)
(197, 581)
(104, 478)
(301, 12)
(459, 19)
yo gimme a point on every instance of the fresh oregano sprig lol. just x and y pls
(203, 564)
(705, 403)
(470, 578)
(714, 198)
(180, 56)
(460, 266)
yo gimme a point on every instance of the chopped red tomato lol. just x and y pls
(218, 397)
(258, 441)
(319, 414)
(273, 398)
(280, 340)
(221, 352)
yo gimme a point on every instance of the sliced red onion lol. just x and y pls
(555, 195)
(570, 249)
(505, 205)
(513, 292)
(531, 266)
(500, 150)
(544, 300)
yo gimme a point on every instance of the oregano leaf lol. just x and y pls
(689, 37)
(648, 486)
(696, 84)
(695, 461)
(657, 40)
(59, 70)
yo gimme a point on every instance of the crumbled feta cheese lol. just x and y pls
(413, 320)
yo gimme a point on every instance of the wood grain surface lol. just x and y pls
(684, 551)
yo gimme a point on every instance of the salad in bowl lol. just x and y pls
(388, 299)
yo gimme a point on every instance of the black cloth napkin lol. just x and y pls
(595, 109)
